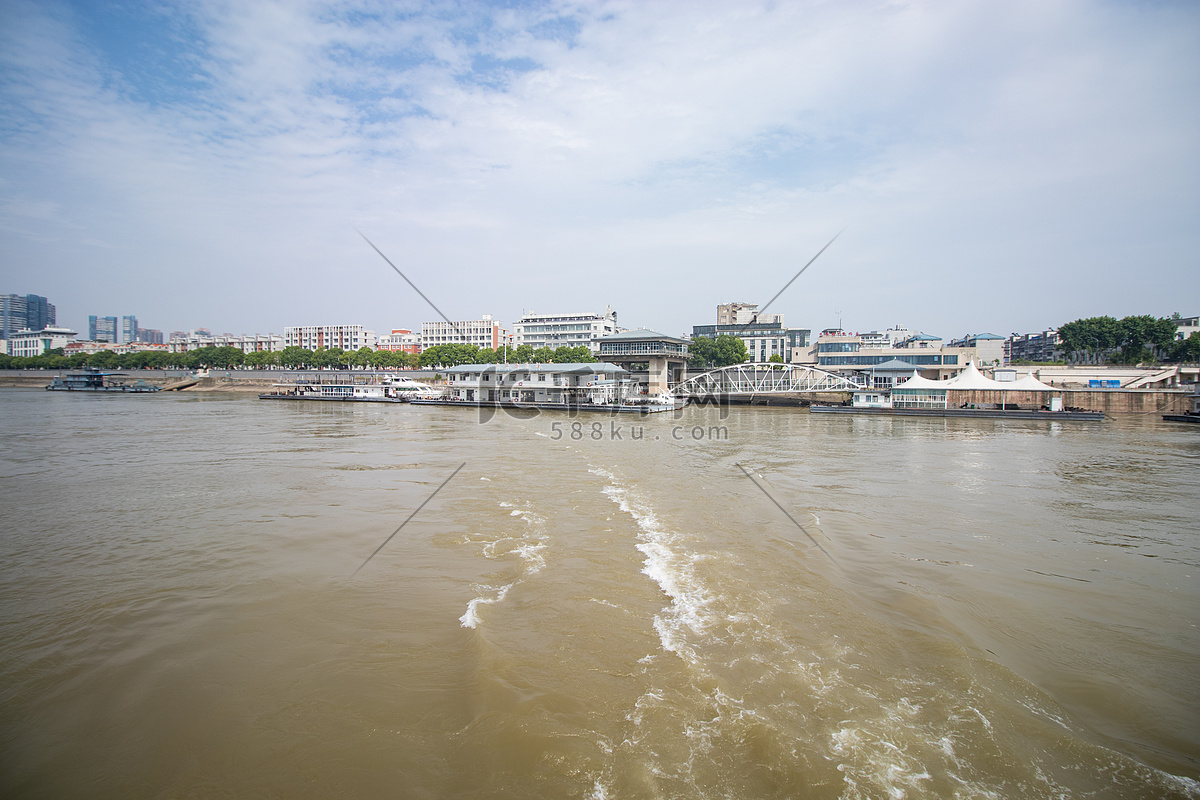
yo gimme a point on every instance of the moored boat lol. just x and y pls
(1192, 415)
(93, 380)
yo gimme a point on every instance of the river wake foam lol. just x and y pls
(669, 564)
(526, 546)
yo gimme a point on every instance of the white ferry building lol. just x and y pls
(579, 384)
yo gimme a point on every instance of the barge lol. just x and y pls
(921, 397)
(1192, 416)
(93, 380)
(976, 413)
(551, 387)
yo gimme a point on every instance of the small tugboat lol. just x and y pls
(93, 380)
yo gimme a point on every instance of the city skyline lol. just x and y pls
(996, 168)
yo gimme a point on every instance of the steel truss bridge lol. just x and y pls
(752, 379)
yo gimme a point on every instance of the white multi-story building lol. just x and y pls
(482, 332)
(250, 343)
(341, 337)
(33, 343)
(564, 330)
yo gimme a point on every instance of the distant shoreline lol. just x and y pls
(247, 386)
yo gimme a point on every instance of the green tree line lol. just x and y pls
(446, 355)
(1130, 340)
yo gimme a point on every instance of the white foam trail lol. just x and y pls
(668, 565)
(471, 618)
(528, 547)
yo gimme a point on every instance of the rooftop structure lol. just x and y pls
(665, 356)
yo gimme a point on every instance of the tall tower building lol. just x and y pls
(129, 330)
(103, 329)
(24, 312)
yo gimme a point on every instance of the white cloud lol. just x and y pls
(999, 166)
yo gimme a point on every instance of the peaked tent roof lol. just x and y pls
(917, 382)
(971, 378)
(1029, 383)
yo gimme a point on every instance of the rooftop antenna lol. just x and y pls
(839, 316)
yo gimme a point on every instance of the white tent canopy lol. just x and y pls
(971, 379)
(1028, 383)
(917, 382)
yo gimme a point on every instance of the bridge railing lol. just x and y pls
(743, 379)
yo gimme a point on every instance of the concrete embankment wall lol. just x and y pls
(1110, 401)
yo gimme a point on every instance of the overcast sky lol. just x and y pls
(996, 166)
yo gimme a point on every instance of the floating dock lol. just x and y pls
(644, 408)
(969, 413)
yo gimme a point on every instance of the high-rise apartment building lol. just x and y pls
(103, 329)
(129, 329)
(24, 312)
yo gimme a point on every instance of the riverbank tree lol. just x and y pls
(1130, 340)
(722, 351)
